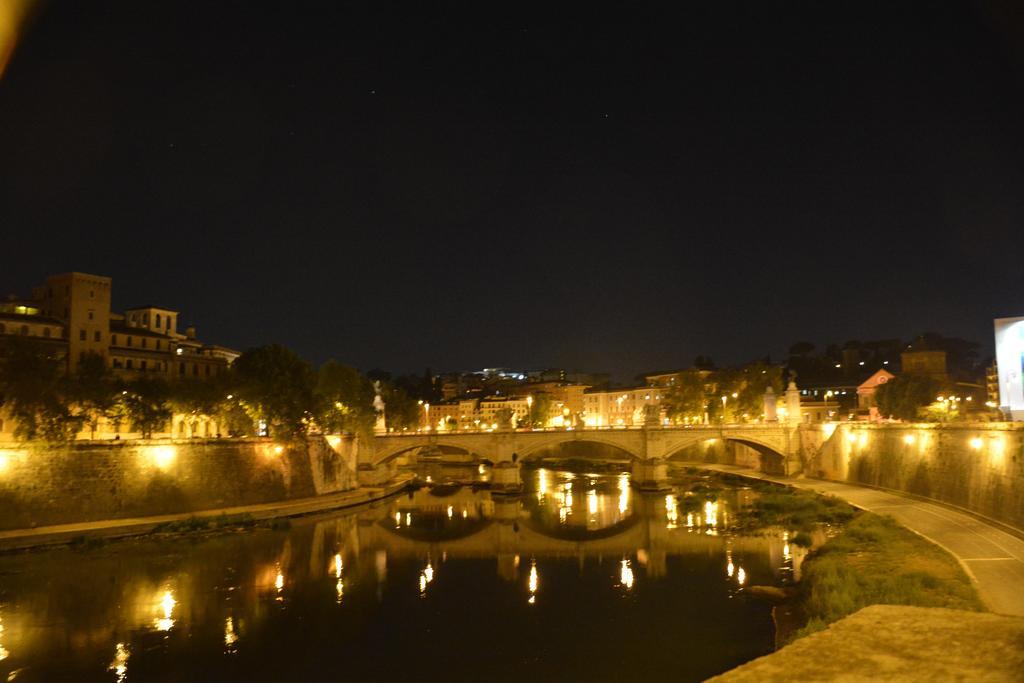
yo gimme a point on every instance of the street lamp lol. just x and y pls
(724, 399)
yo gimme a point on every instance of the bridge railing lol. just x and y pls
(601, 428)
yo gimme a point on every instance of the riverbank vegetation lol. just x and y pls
(876, 561)
(268, 390)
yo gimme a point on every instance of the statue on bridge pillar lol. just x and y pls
(793, 415)
(380, 426)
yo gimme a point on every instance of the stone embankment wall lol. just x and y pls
(979, 467)
(85, 481)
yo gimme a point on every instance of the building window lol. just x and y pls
(113, 340)
(97, 336)
(207, 370)
(128, 363)
(81, 335)
(3, 328)
(129, 341)
(158, 320)
(92, 294)
(90, 315)
(116, 362)
(195, 369)
(46, 331)
(142, 342)
(181, 368)
(24, 330)
(142, 365)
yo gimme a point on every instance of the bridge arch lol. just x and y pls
(532, 448)
(394, 450)
(770, 457)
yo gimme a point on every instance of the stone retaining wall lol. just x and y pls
(86, 481)
(979, 467)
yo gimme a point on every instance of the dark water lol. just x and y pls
(582, 578)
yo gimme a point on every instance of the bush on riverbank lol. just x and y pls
(877, 561)
(797, 509)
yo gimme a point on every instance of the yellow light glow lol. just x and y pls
(623, 493)
(626, 574)
(909, 439)
(533, 582)
(862, 439)
(279, 581)
(592, 501)
(977, 443)
(278, 450)
(851, 437)
(741, 576)
(119, 666)
(161, 456)
(828, 429)
(230, 637)
(711, 513)
(450, 511)
(671, 511)
(167, 604)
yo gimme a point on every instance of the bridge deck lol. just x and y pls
(992, 557)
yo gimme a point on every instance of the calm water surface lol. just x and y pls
(582, 578)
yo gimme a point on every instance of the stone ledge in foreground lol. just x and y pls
(896, 643)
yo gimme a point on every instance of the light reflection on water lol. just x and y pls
(373, 584)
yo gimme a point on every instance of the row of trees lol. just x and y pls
(269, 386)
(696, 392)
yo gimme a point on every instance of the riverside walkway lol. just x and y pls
(991, 556)
(15, 539)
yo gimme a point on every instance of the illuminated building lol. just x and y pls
(1010, 360)
(70, 313)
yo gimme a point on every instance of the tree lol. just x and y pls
(194, 398)
(276, 386)
(704, 363)
(344, 399)
(685, 399)
(904, 397)
(401, 411)
(756, 379)
(801, 349)
(95, 391)
(35, 391)
(147, 404)
(540, 410)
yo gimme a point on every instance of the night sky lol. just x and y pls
(404, 185)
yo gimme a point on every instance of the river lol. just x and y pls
(580, 578)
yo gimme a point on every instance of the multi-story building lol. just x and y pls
(619, 407)
(72, 313)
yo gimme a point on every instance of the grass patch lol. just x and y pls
(797, 509)
(194, 524)
(877, 561)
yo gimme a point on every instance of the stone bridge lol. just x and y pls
(779, 448)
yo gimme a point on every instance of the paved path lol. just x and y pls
(63, 533)
(992, 557)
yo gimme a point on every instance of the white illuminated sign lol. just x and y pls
(1010, 359)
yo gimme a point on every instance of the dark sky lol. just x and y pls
(417, 184)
